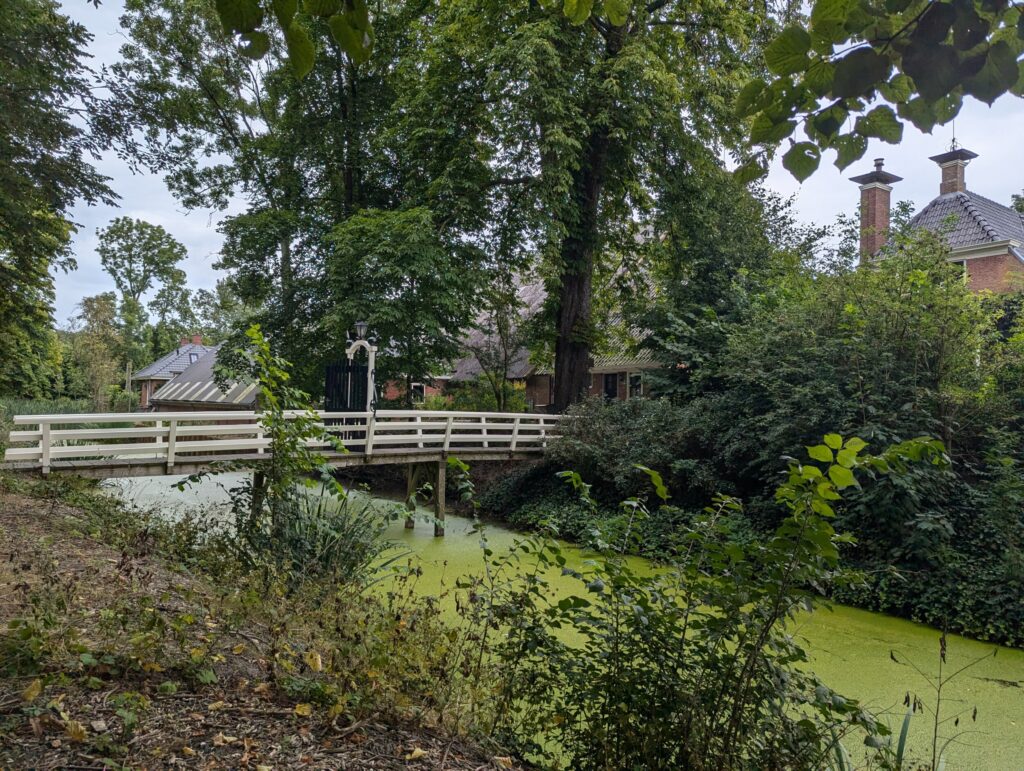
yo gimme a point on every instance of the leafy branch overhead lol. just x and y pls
(919, 57)
(348, 20)
(350, 25)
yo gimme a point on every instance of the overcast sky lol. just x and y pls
(994, 133)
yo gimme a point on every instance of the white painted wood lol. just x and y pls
(172, 439)
(175, 438)
(44, 447)
(447, 437)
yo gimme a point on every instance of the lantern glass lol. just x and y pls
(361, 330)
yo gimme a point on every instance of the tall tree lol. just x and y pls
(416, 291)
(301, 156)
(568, 118)
(96, 345)
(46, 143)
(139, 256)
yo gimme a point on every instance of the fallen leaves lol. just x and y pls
(416, 754)
(32, 690)
(76, 731)
(313, 661)
(303, 710)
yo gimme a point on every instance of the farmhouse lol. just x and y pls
(985, 237)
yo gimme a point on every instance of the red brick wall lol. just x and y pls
(1000, 273)
(395, 389)
(952, 178)
(874, 218)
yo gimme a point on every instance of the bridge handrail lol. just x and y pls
(163, 437)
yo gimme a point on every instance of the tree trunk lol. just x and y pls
(287, 279)
(575, 292)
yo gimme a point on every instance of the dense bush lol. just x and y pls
(901, 350)
(690, 666)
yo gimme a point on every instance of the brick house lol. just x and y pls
(153, 376)
(985, 237)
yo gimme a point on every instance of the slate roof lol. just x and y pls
(195, 386)
(173, 363)
(971, 220)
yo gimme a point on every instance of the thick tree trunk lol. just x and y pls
(575, 294)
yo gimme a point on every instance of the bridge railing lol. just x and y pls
(173, 437)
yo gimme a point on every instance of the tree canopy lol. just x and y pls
(47, 141)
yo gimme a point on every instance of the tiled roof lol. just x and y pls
(173, 363)
(468, 367)
(196, 386)
(970, 219)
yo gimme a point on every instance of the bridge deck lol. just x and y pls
(153, 443)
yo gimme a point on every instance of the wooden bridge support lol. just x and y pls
(410, 495)
(439, 484)
(413, 474)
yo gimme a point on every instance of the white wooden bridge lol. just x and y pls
(111, 445)
(107, 445)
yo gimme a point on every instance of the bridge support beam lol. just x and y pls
(410, 495)
(439, 485)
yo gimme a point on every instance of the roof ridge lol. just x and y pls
(966, 198)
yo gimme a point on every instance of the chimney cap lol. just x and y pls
(878, 175)
(958, 154)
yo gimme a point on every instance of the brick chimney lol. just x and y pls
(183, 342)
(875, 189)
(953, 164)
(197, 339)
(194, 340)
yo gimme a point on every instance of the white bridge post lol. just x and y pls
(44, 445)
(172, 438)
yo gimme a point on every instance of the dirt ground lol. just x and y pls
(91, 714)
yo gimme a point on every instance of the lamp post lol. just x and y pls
(371, 352)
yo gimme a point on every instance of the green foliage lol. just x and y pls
(138, 255)
(690, 665)
(44, 87)
(486, 395)
(899, 350)
(922, 57)
(411, 284)
(283, 526)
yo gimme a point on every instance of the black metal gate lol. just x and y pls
(345, 390)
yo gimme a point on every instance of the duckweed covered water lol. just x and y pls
(849, 647)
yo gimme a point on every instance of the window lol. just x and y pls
(193, 358)
(636, 385)
(419, 392)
